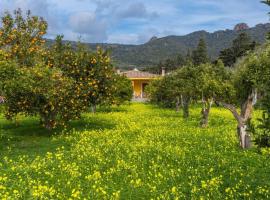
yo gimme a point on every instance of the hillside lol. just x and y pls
(162, 48)
(159, 49)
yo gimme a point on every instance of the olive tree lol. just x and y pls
(251, 73)
(160, 92)
(214, 81)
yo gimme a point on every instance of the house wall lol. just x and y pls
(137, 87)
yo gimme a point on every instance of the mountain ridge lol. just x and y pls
(127, 56)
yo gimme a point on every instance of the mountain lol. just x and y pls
(159, 49)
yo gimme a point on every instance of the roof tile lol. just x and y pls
(139, 74)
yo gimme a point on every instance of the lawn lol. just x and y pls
(137, 151)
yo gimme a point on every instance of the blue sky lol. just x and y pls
(136, 21)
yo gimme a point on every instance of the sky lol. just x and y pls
(136, 21)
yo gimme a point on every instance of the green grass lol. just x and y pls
(135, 152)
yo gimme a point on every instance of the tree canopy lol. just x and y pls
(240, 47)
(56, 82)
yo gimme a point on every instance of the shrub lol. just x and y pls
(159, 92)
(123, 90)
(262, 130)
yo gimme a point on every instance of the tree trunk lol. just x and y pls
(186, 101)
(243, 118)
(48, 120)
(177, 104)
(94, 108)
(205, 115)
(182, 101)
(244, 136)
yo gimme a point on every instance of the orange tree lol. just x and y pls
(40, 91)
(56, 83)
(93, 73)
(29, 86)
(22, 37)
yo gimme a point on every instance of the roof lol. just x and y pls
(136, 74)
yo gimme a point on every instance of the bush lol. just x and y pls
(123, 91)
(159, 92)
(262, 131)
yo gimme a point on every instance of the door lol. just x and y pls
(143, 90)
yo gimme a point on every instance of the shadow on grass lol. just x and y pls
(31, 126)
(108, 109)
(29, 136)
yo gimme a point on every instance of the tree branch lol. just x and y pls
(233, 110)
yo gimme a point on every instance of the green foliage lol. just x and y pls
(181, 85)
(160, 92)
(44, 92)
(192, 81)
(58, 82)
(206, 82)
(92, 72)
(123, 91)
(150, 54)
(262, 131)
(169, 64)
(184, 82)
(252, 72)
(260, 77)
(200, 55)
(8, 70)
(240, 47)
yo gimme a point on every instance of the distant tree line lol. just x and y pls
(240, 47)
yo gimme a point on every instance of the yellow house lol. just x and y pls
(139, 81)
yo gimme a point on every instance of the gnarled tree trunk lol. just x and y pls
(207, 105)
(243, 118)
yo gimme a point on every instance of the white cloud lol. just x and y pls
(136, 10)
(136, 21)
(86, 24)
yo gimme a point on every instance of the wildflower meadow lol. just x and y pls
(136, 151)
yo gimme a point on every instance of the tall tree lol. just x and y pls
(200, 55)
(267, 2)
(180, 60)
(240, 46)
(185, 86)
